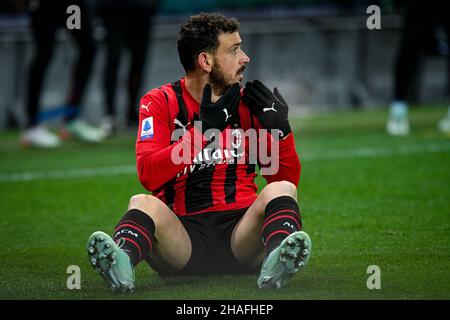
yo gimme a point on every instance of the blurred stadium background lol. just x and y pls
(319, 52)
(367, 198)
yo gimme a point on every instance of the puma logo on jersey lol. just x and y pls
(272, 108)
(226, 114)
(178, 123)
(146, 106)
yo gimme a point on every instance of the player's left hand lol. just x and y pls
(270, 108)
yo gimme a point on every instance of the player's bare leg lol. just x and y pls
(246, 241)
(173, 246)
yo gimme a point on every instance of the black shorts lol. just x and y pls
(210, 235)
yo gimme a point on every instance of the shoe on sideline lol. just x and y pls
(40, 137)
(82, 131)
(398, 122)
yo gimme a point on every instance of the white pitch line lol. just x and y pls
(373, 152)
(366, 152)
(65, 174)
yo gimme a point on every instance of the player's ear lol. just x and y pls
(204, 60)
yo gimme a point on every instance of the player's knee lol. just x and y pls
(278, 189)
(151, 206)
(281, 187)
(145, 203)
(138, 201)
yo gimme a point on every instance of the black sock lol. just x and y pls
(135, 235)
(282, 218)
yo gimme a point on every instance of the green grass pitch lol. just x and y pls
(366, 199)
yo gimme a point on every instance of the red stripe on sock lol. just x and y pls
(279, 217)
(137, 229)
(285, 210)
(274, 233)
(138, 225)
(144, 229)
(136, 245)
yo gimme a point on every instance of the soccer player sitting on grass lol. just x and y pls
(206, 217)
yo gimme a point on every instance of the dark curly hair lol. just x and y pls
(201, 33)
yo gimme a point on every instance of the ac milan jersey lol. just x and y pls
(223, 183)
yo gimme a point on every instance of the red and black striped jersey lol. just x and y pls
(199, 186)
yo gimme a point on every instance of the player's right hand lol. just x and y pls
(218, 114)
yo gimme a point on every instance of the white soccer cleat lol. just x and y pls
(397, 127)
(40, 137)
(83, 131)
(444, 124)
(398, 122)
(107, 126)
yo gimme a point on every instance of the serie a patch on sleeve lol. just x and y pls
(147, 128)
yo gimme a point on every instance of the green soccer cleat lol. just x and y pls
(283, 262)
(111, 262)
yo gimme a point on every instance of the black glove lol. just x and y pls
(218, 114)
(269, 108)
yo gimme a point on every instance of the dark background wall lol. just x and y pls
(320, 54)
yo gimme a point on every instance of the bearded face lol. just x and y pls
(220, 80)
(229, 63)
